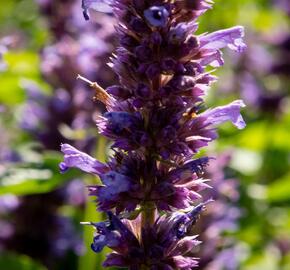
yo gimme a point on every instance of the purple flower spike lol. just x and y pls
(74, 158)
(155, 121)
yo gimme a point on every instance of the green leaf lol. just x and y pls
(266, 261)
(24, 181)
(18, 262)
(279, 191)
(21, 65)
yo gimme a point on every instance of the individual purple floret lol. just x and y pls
(157, 122)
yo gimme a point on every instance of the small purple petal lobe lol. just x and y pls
(63, 168)
(97, 5)
(156, 16)
(231, 37)
(230, 112)
(74, 158)
(115, 183)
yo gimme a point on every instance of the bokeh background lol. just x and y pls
(44, 44)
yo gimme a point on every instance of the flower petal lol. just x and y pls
(115, 183)
(115, 259)
(230, 112)
(231, 37)
(156, 16)
(98, 5)
(80, 160)
(184, 263)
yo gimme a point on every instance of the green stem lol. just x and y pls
(144, 267)
(148, 214)
(90, 260)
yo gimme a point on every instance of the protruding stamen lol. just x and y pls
(87, 223)
(200, 76)
(79, 77)
(101, 93)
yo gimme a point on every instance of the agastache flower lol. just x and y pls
(157, 124)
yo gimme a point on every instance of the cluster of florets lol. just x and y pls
(160, 245)
(157, 124)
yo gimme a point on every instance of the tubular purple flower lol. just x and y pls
(115, 183)
(231, 37)
(74, 158)
(180, 32)
(230, 112)
(214, 59)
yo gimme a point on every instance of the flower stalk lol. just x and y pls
(147, 214)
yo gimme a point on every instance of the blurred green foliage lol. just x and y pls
(22, 65)
(40, 177)
(16, 262)
(21, 17)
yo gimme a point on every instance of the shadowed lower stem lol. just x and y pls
(148, 214)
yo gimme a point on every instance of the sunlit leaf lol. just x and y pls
(24, 181)
(21, 65)
(267, 261)
(280, 190)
